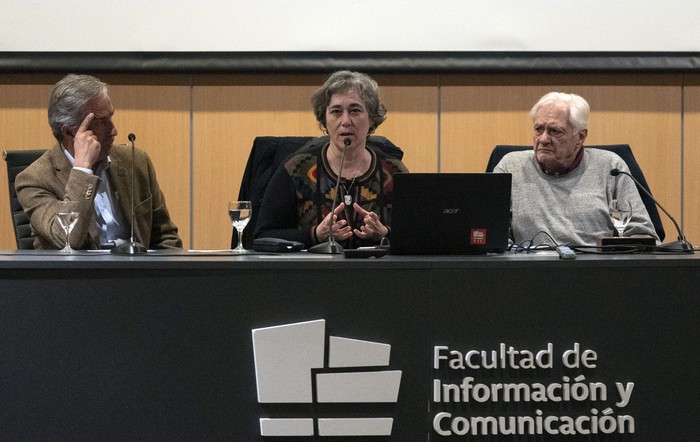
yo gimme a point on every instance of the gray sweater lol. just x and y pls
(572, 208)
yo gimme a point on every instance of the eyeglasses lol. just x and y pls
(529, 246)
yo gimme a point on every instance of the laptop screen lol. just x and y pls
(450, 213)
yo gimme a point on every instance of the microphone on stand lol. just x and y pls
(132, 247)
(331, 247)
(682, 245)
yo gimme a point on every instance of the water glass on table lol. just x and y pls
(67, 215)
(240, 213)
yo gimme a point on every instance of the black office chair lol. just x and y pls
(624, 151)
(266, 156)
(17, 161)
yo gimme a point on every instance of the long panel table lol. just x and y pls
(510, 347)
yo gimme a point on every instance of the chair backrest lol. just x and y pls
(624, 151)
(267, 154)
(17, 161)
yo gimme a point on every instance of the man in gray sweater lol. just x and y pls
(562, 188)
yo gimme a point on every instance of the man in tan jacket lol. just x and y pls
(85, 166)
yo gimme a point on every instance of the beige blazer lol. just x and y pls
(51, 178)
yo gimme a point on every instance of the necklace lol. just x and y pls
(347, 199)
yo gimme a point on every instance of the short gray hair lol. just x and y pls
(343, 81)
(578, 107)
(68, 99)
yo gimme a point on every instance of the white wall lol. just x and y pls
(350, 25)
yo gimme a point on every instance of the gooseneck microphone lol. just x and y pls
(331, 247)
(132, 247)
(682, 245)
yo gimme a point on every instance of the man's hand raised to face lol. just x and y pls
(86, 148)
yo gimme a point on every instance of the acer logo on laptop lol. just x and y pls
(291, 367)
(450, 211)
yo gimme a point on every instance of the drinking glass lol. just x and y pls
(621, 213)
(240, 213)
(67, 214)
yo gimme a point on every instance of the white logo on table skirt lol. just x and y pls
(285, 356)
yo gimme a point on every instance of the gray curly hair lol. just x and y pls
(68, 99)
(343, 81)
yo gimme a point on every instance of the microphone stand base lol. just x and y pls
(328, 248)
(680, 246)
(129, 248)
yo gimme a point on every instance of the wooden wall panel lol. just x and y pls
(23, 125)
(412, 119)
(159, 116)
(226, 119)
(691, 164)
(412, 125)
(476, 118)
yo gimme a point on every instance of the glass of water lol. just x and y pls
(240, 213)
(67, 215)
(621, 213)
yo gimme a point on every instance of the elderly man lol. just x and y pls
(86, 167)
(564, 189)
